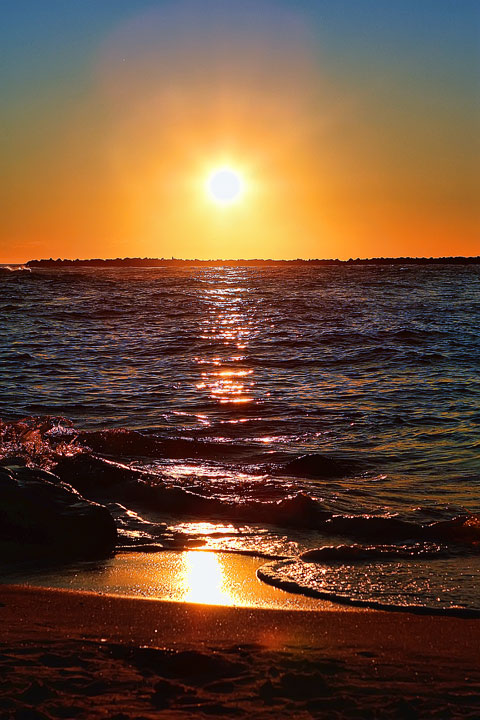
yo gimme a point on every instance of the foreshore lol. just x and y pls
(67, 653)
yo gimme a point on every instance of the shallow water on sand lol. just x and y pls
(216, 380)
(191, 576)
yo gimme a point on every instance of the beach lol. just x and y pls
(86, 655)
(73, 654)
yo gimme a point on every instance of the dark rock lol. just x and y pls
(12, 460)
(42, 516)
(97, 477)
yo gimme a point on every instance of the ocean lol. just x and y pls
(324, 418)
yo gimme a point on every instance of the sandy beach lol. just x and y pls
(77, 654)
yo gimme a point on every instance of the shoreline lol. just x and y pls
(196, 576)
(109, 656)
(218, 577)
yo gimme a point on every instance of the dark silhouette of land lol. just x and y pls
(177, 262)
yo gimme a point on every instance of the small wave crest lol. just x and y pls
(361, 553)
(433, 586)
(38, 441)
(460, 530)
(118, 442)
(9, 270)
(315, 465)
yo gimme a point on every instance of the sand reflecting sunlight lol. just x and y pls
(201, 577)
(205, 580)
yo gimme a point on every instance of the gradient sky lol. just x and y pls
(354, 124)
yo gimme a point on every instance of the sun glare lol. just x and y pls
(205, 580)
(224, 186)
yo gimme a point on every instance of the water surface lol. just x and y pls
(239, 371)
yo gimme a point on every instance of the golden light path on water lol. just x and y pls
(227, 329)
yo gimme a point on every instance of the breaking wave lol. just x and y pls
(9, 270)
(99, 465)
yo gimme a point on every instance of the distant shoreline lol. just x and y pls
(177, 262)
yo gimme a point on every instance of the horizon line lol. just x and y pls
(251, 261)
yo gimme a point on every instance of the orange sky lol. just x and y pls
(341, 156)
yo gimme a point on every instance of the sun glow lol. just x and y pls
(225, 186)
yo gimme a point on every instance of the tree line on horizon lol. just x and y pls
(168, 262)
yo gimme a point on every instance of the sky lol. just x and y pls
(351, 124)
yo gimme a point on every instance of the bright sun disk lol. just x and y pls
(224, 186)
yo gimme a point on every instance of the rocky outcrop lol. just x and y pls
(41, 516)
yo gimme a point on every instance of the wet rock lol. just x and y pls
(12, 460)
(98, 478)
(42, 516)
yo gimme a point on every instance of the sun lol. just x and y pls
(224, 186)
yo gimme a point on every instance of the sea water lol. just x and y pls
(219, 380)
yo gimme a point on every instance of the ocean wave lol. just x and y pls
(430, 585)
(459, 530)
(40, 438)
(132, 443)
(109, 466)
(362, 553)
(319, 466)
(14, 270)
(101, 479)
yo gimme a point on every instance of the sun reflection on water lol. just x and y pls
(204, 580)
(226, 329)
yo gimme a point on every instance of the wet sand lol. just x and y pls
(194, 576)
(76, 654)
